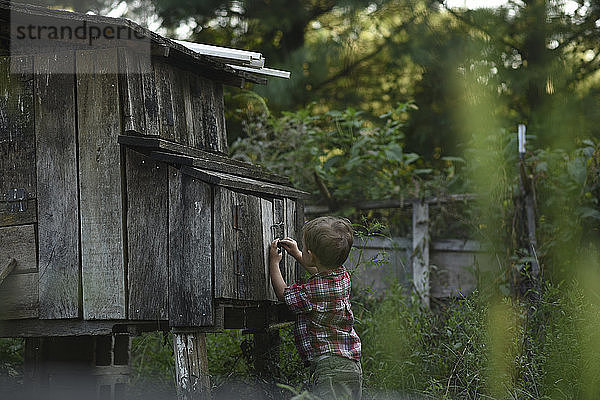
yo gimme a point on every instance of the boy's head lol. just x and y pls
(329, 239)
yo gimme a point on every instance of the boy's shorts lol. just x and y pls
(336, 377)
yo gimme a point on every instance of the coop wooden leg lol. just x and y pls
(191, 365)
(35, 376)
(266, 354)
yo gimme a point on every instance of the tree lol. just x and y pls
(536, 59)
(276, 27)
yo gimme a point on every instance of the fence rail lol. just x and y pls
(439, 269)
(391, 203)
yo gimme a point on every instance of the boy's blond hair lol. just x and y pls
(329, 239)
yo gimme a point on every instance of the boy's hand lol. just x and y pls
(291, 246)
(274, 255)
(276, 279)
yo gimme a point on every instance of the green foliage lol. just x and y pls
(152, 363)
(230, 362)
(560, 343)
(391, 334)
(449, 353)
(536, 59)
(11, 357)
(566, 187)
(568, 193)
(339, 156)
(407, 349)
(225, 356)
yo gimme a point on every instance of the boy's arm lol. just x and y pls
(291, 246)
(276, 278)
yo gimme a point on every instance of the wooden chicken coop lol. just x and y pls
(120, 211)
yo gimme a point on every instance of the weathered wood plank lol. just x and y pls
(19, 294)
(190, 251)
(75, 327)
(179, 84)
(177, 149)
(299, 226)
(458, 245)
(220, 117)
(57, 206)
(453, 275)
(376, 263)
(241, 183)
(239, 260)
(393, 203)
(186, 90)
(240, 251)
(210, 165)
(19, 242)
(148, 237)
(151, 108)
(212, 136)
(250, 245)
(162, 76)
(17, 134)
(99, 123)
(268, 237)
(8, 217)
(420, 253)
(279, 223)
(383, 243)
(177, 53)
(196, 132)
(131, 91)
(291, 222)
(35, 374)
(224, 239)
(191, 366)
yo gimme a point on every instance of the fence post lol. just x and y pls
(420, 250)
(191, 365)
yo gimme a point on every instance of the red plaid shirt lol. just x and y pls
(324, 319)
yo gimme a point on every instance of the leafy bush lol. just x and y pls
(153, 365)
(230, 360)
(474, 347)
(11, 357)
(338, 155)
(392, 342)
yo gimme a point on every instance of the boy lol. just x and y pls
(324, 331)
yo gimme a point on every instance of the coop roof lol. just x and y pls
(232, 66)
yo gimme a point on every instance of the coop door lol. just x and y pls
(239, 260)
(245, 226)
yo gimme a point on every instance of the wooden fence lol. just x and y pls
(435, 269)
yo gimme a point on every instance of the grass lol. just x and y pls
(467, 348)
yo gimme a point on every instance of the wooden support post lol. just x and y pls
(526, 186)
(191, 365)
(266, 354)
(35, 376)
(420, 253)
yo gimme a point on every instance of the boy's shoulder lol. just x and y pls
(330, 273)
(334, 283)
